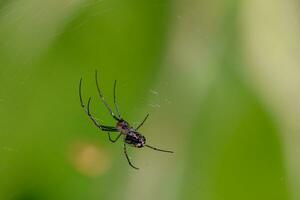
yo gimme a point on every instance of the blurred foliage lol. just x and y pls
(227, 141)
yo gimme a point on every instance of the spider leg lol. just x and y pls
(103, 100)
(115, 100)
(141, 124)
(154, 148)
(87, 111)
(105, 128)
(113, 140)
(127, 157)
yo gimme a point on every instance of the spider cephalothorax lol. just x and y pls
(130, 134)
(123, 126)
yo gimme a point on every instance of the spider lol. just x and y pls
(130, 134)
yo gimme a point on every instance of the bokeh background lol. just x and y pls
(220, 80)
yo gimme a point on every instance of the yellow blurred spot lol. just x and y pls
(89, 159)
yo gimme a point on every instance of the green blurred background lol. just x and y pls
(220, 80)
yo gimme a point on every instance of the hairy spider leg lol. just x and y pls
(115, 100)
(141, 124)
(87, 111)
(103, 100)
(127, 157)
(154, 148)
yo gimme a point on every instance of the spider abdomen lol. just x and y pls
(135, 139)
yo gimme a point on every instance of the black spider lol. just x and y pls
(131, 134)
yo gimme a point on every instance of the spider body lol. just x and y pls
(135, 139)
(130, 134)
(123, 126)
(132, 137)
